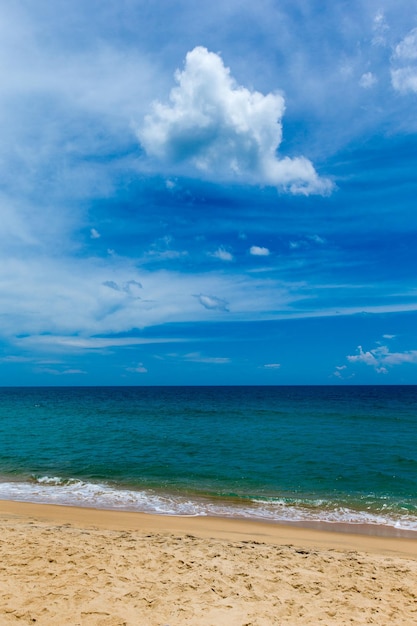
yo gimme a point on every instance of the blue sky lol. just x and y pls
(217, 196)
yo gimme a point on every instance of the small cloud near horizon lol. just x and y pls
(139, 369)
(381, 358)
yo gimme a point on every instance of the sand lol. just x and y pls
(62, 565)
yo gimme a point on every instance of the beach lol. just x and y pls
(208, 506)
(89, 567)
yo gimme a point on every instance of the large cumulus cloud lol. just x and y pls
(224, 129)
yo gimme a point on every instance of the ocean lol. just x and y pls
(308, 455)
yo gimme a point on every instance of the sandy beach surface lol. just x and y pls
(84, 567)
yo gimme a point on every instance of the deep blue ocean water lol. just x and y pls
(285, 454)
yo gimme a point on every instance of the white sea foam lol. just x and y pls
(55, 490)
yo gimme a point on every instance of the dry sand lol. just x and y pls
(62, 565)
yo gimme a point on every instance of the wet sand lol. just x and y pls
(87, 567)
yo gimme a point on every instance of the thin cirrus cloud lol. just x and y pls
(90, 343)
(225, 130)
(197, 357)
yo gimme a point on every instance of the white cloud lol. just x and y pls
(380, 29)
(94, 303)
(341, 372)
(222, 254)
(404, 79)
(368, 357)
(368, 80)
(197, 357)
(381, 358)
(398, 358)
(67, 303)
(259, 251)
(338, 373)
(161, 250)
(65, 113)
(89, 343)
(407, 48)
(272, 366)
(165, 255)
(404, 64)
(225, 130)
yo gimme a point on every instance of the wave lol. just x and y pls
(73, 492)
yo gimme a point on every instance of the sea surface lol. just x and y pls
(310, 455)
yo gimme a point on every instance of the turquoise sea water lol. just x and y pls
(285, 454)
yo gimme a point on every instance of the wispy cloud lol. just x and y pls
(57, 372)
(380, 29)
(16, 359)
(225, 130)
(306, 242)
(222, 254)
(404, 61)
(342, 372)
(137, 369)
(368, 80)
(197, 357)
(89, 343)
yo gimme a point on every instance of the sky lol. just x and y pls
(217, 196)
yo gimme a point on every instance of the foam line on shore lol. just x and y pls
(209, 527)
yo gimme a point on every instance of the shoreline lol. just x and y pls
(330, 516)
(335, 536)
(88, 567)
